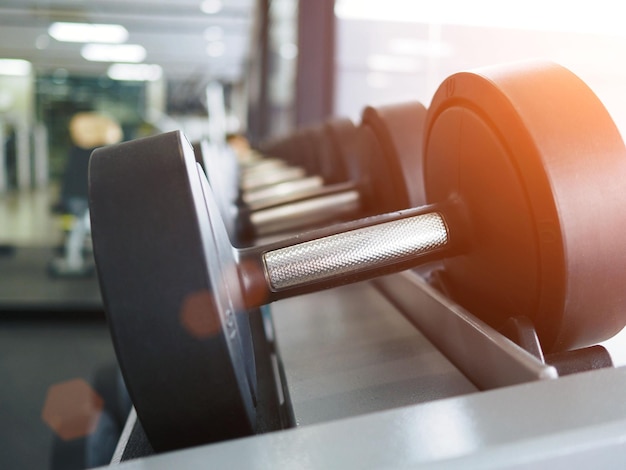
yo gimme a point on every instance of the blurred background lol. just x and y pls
(149, 67)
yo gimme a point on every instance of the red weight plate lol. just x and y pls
(398, 128)
(536, 161)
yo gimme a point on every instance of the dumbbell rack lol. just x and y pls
(344, 351)
(360, 366)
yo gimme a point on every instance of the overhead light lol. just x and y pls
(215, 49)
(88, 32)
(114, 52)
(135, 72)
(211, 7)
(15, 67)
(213, 33)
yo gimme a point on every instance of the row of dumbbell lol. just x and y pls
(322, 174)
(523, 169)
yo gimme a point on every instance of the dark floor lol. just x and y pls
(49, 331)
(27, 285)
(34, 355)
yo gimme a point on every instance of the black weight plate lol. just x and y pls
(173, 331)
(220, 162)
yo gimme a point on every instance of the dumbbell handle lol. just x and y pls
(356, 251)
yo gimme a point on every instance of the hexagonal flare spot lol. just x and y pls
(198, 317)
(72, 409)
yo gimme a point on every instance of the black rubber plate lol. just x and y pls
(179, 349)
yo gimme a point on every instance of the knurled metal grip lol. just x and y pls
(354, 251)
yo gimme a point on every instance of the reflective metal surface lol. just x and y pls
(282, 192)
(271, 177)
(308, 212)
(354, 251)
(486, 357)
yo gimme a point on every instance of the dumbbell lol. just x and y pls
(258, 172)
(341, 159)
(523, 172)
(320, 148)
(270, 172)
(377, 155)
(323, 149)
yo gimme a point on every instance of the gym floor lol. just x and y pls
(39, 346)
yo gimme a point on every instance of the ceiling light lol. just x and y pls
(211, 6)
(135, 72)
(16, 67)
(215, 49)
(87, 32)
(113, 52)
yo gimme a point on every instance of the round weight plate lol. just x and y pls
(331, 162)
(538, 165)
(340, 137)
(175, 335)
(384, 176)
(399, 129)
